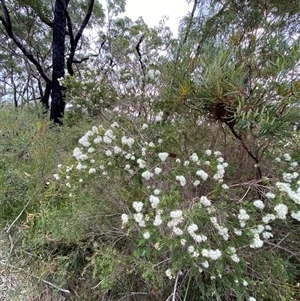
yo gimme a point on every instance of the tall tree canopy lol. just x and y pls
(45, 28)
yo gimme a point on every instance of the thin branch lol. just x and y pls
(175, 287)
(138, 50)
(19, 215)
(6, 21)
(74, 40)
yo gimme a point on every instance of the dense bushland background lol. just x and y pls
(175, 175)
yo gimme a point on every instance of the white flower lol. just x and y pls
(205, 264)
(163, 156)
(205, 201)
(238, 232)
(181, 179)
(213, 254)
(108, 153)
(154, 200)
(144, 126)
(182, 242)
(77, 153)
(138, 206)
(114, 125)
(124, 218)
(177, 231)
(198, 237)
(243, 215)
(186, 163)
(141, 163)
(208, 152)
(267, 235)
(176, 214)
(91, 150)
(157, 170)
(287, 157)
(127, 141)
(146, 235)
(117, 149)
(257, 242)
(201, 173)
(157, 220)
(80, 166)
(107, 140)
(196, 183)
(84, 141)
(294, 164)
(159, 116)
(281, 210)
(109, 133)
(192, 228)
(194, 157)
(270, 195)
(56, 176)
(138, 217)
(259, 204)
(147, 175)
(268, 218)
(92, 170)
(296, 215)
(97, 140)
(224, 186)
(191, 249)
(156, 191)
(245, 283)
(169, 274)
(251, 299)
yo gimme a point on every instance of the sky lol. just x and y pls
(152, 11)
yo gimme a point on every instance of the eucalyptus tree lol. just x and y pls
(124, 73)
(49, 27)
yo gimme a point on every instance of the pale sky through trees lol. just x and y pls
(152, 11)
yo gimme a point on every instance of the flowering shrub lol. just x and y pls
(187, 218)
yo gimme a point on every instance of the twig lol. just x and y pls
(55, 286)
(16, 219)
(175, 287)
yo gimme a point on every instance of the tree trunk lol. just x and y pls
(58, 59)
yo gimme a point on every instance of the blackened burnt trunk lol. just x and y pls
(58, 59)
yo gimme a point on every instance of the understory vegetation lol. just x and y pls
(165, 168)
(146, 210)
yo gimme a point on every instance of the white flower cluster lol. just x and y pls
(223, 231)
(259, 204)
(147, 175)
(181, 180)
(163, 156)
(219, 175)
(232, 253)
(176, 218)
(281, 211)
(194, 157)
(243, 217)
(257, 242)
(205, 201)
(154, 201)
(212, 254)
(198, 238)
(293, 195)
(159, 116)
(202, 174)
(127, 141)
